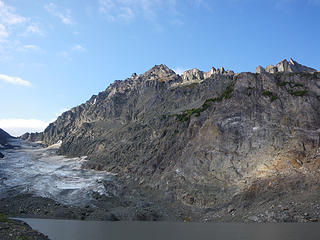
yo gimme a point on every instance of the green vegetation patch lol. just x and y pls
(271, 95)
(185, 115)
(191, 85)
(3, 217)
(291, 84)
(282, 84)
(292, 91)
(300, 93)
(249, 91)
(23, 237)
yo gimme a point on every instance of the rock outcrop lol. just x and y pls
(33, 137)
(195, 75)
(201, 138)
(4, 137)
(285, 66)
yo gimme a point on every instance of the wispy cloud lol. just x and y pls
(14, 80)
(30, 48)
(3, 32)
(78, 48)
(8, 19)
(13, 26)
(129, 9)
(8, 15)
(65, 55)
(34, 29)
(63, 14)
(179, 70)
(17, 126)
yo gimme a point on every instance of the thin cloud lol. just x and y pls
(179, 70)
(34, 29)
(17, 127)
(8, 15)
(30, 48)
(14, 80)
(78, 48)
(63, 15)
(129, 9)
(3, 32)
(13, 25)
(65, 55)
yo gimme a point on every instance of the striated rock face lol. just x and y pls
(285, 66)
(200, 143)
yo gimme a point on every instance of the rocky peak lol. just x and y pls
(192, 75)
(159, 72)
(286, 66)
(134, 76)
(210, 73)
(260, 69)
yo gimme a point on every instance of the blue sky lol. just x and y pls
(55, 55)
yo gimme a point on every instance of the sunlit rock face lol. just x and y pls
(290, 66)
(200, 137)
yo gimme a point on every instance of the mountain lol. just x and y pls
(212, 140)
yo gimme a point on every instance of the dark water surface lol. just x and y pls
(94, 230)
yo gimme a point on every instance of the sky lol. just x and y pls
(54, 55)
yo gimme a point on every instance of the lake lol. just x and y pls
(95, 230)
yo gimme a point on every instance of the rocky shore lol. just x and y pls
(17, 230)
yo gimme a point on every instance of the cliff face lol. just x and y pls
(201, 138)
(4, 137)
